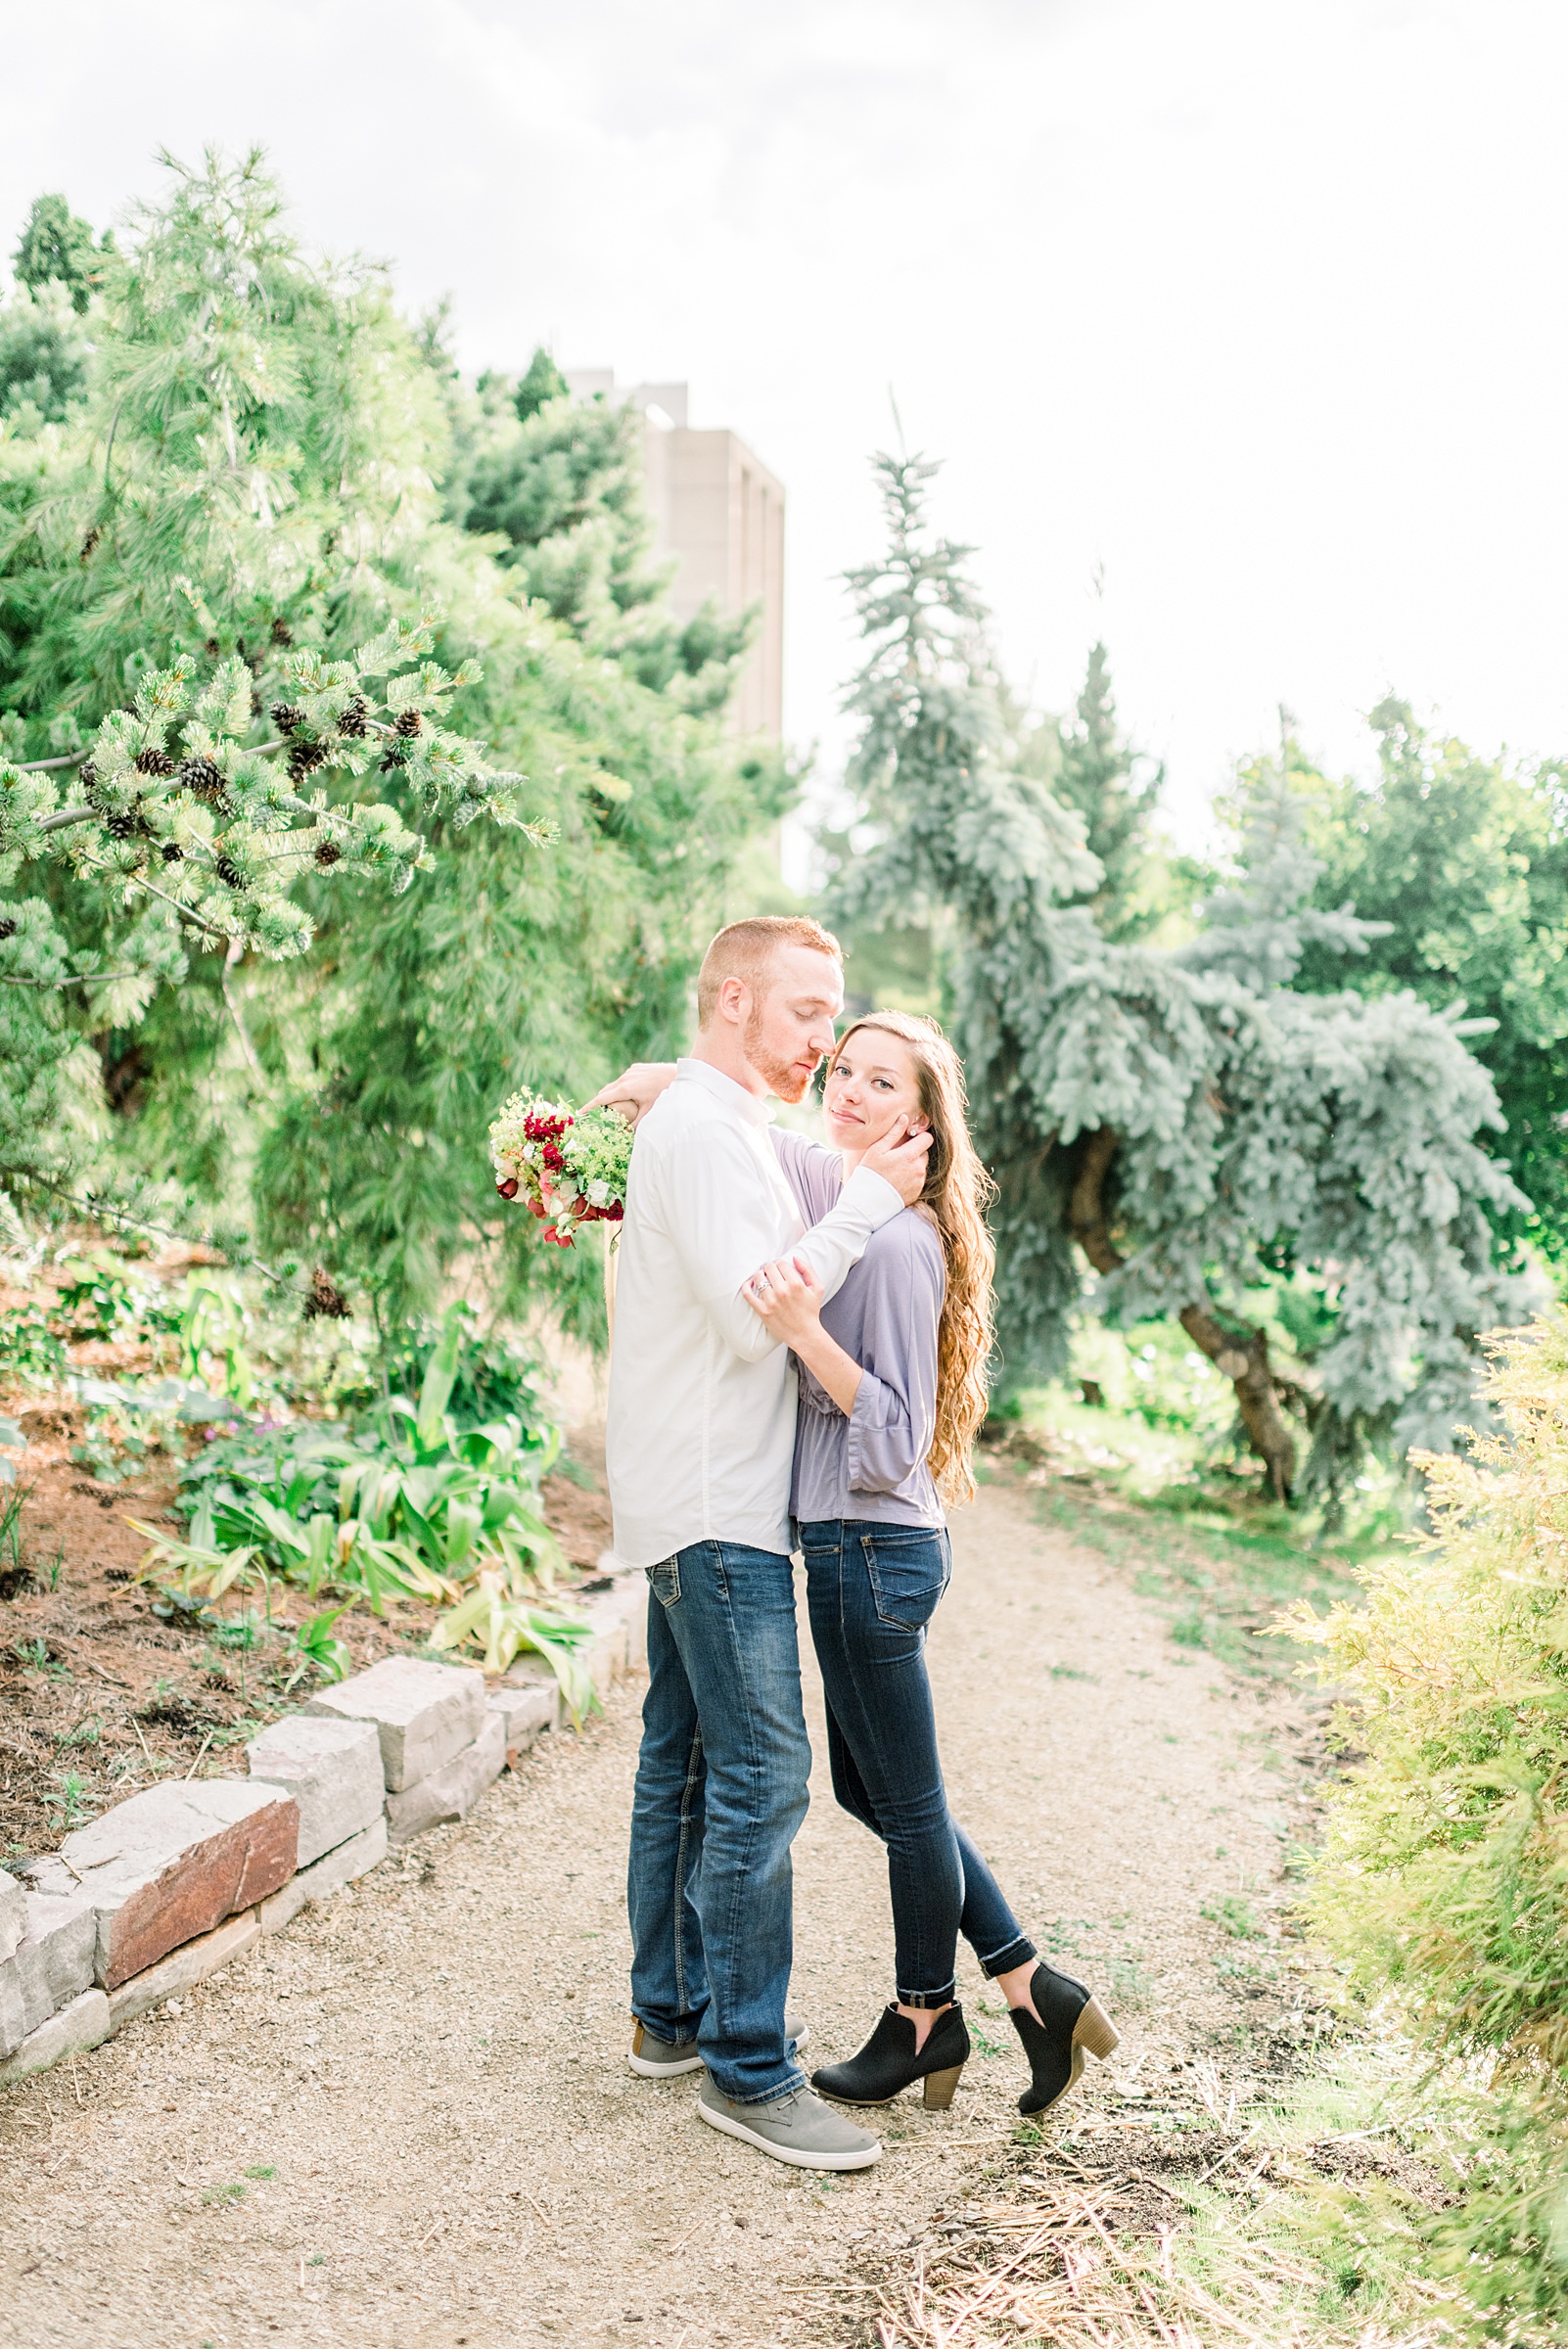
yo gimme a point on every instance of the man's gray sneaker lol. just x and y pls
(797, 2128)
(654, 2059)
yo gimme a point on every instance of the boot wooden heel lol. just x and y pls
(940, 2087)
(1095, 2031)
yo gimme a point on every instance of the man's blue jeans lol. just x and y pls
(721, 1795)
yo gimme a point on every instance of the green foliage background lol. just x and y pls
(215, 443)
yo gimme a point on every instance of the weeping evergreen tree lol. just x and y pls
(1189, 1119)
(258, 472)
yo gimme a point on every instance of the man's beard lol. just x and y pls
(783, 1076)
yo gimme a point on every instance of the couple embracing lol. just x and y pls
(799, 1362)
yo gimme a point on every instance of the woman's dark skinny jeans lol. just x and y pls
(871, 1591)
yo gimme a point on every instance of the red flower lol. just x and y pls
(508, 1188)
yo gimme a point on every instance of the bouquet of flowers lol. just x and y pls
(567, 1166)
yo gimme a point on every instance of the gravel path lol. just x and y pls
(408, 2121)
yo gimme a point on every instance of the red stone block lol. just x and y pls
(173, 1863)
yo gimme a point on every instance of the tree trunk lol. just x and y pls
(1241, 1354)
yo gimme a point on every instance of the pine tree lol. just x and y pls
(43, 357)
(56, 249)
(1116, 792)
(1463, 864)
(1187, 1117)
(257, 471)
(542, 383)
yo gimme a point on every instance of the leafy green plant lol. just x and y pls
(316, 1649)
(12, 1500)
(1233, 1915)
(29, 1344)
(72, 1802)
(213, 1323)
(412, 1507)
(112, 1450)
(35, 1655)
(495, 1377)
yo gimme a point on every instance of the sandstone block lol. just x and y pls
(172, 1863)
(12, 1913)
(84, 2024)
(342, 1865)
(424, 1713)
(607, 1653)
(182, 1970)
(55, 1958)
(525, 1713)
(332, 1769)
(630, 1597)
(13, 2020)
(451, 1791)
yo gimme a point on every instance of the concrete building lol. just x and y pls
(720, 513)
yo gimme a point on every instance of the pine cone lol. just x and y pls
(123, 827)
(409, 723)
(8, 928)
(229, 873)
(324, 1299)
(302, 757)
(393, 760)
(90, 542)
(351, 721)
(153, 762)
(171, 853)
(328, 852)
(202, 780)
(87, 774)
(282, 633)
(212, 647)
(285, 716)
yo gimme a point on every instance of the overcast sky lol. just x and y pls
(1240, 324)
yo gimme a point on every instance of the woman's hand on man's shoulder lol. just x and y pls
(635, 1090)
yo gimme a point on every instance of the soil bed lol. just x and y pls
(104, 1688)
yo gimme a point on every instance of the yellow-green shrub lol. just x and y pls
(1446, 1869)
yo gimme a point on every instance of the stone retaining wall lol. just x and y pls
(176, 1882)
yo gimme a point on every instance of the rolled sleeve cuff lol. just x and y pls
(880, 1454)
(873, 1195)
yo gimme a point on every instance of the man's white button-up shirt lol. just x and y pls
(701, 1431)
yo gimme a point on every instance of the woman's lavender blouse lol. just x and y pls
(871, 1465)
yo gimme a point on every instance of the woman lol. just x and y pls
(893, 1386)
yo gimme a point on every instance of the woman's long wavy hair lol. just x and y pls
(957, 1192)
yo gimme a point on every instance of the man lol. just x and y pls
(700, 1439)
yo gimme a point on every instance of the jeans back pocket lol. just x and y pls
(909, 1568)
(663, 1580)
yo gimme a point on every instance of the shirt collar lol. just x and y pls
(735, 1097)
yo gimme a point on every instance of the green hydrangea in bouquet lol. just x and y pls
(567, 1166)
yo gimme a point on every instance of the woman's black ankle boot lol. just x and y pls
(890, 2063)
(1070, 2021)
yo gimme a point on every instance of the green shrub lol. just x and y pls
(1445, 1875)
(1446, 1871)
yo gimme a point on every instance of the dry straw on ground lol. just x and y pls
(1093, 2260)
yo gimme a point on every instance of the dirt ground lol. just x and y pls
(408, 2121)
